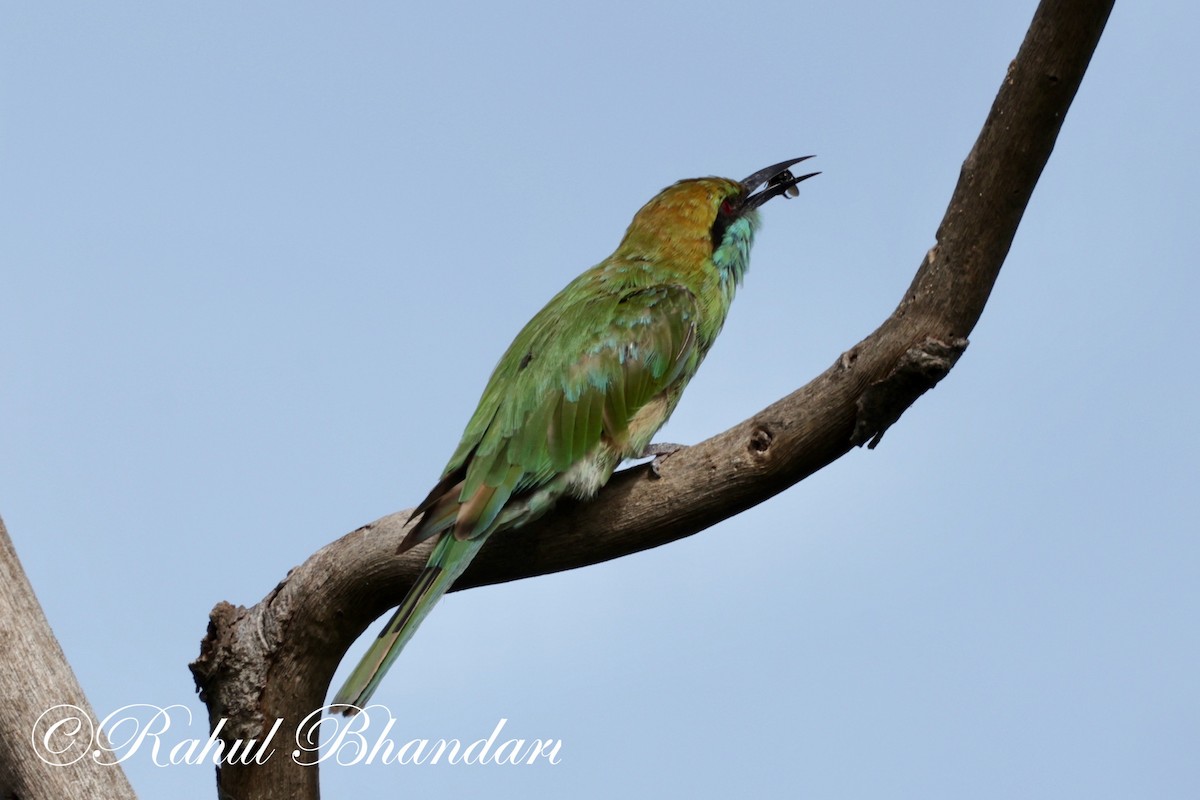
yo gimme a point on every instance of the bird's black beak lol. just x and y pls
(778, 179)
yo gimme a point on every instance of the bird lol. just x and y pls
(584, 386)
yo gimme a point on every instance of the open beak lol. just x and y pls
(778, 179)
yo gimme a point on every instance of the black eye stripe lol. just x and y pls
(727, 212)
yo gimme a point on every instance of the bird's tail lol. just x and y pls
(449, 558)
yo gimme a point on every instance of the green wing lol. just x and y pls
(577, 375)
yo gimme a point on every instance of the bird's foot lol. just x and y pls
(660, 451)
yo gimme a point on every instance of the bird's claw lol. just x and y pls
(660, 451)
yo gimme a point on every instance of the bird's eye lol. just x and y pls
(727, 207)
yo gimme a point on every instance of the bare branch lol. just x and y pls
(276, 659)
(37, 690)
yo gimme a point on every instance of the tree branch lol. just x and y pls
(276, 659)
(37, 690)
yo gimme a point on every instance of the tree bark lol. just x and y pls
(37, 690)
(275, 660)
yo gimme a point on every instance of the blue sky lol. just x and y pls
(257, 260)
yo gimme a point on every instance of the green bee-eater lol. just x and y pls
(585, 384)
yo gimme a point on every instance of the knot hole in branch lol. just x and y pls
(760, 440)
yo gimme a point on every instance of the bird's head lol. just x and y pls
(707, 218)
